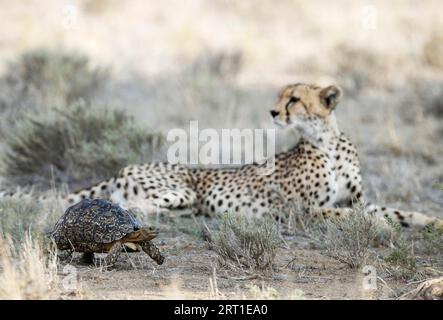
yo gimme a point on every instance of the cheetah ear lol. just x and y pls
(330, 96)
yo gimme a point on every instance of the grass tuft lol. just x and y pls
(25, 271)
(349, 240)
(244, 242)
(22, 216)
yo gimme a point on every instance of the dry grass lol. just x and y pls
(269, 293)
(26, 272)
(427, 290)
(246, 243)
(25, 215)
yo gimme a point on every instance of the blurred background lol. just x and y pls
(89, 86)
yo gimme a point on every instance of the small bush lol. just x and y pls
(40, 79)
(432, 240)
(66, 75)
(402, 262)
(350, 239)
(76, 144)
(246, 242)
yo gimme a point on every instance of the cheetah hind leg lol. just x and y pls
(152, 208)
(113, 254)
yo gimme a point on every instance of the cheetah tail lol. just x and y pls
(405, 218)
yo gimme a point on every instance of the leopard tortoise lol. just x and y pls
(97, 225)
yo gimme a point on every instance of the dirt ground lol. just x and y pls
(193, 271)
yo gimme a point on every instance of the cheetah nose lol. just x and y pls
(274, 113)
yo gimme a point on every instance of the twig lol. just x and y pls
(252, 277)
(385, 284)
(292, 260)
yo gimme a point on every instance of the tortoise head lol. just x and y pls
(143, 234)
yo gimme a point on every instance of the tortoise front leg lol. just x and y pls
(152, 250)
(113, 254)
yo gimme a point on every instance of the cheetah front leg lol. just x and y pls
(170, 199)
(131, 194)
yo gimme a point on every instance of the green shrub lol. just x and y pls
(67, 75)
(431, 241)
(40, 79)
(246, 242)
(401, 260)
(75, 144)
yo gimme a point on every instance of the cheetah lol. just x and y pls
(320, 172)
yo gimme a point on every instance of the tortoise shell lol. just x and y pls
(91, 223)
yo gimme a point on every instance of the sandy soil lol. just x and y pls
(193, 271)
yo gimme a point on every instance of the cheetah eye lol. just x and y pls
(294, 100)
(291, 101)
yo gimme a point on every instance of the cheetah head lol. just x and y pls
(309, 109)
